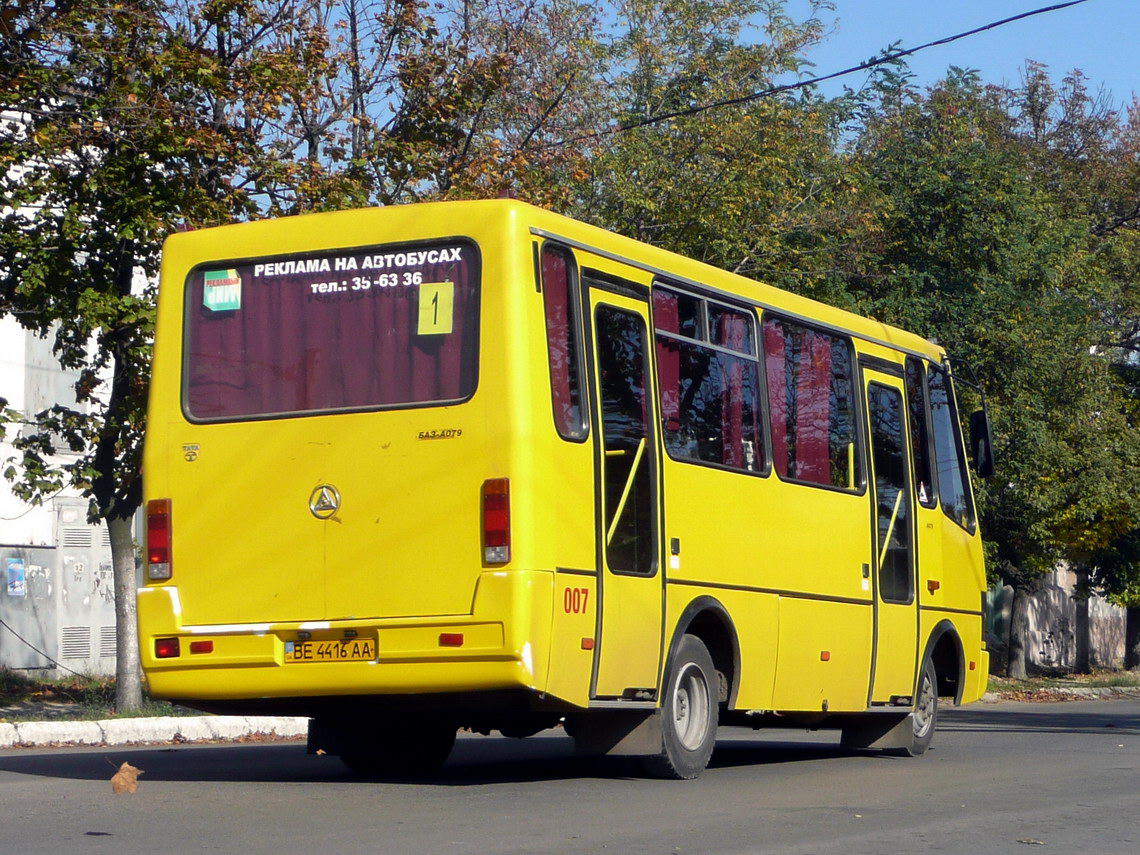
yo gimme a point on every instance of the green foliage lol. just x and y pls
(969, 244)
(1003, 221)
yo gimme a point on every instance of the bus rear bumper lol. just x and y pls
(501, 645)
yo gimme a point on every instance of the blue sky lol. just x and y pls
(1101, 37)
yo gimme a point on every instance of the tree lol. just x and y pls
(124, 121)
(968, 244)
(121, 123)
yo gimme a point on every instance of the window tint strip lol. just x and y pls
(559, 297)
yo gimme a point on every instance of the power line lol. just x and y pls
(59, 665)
(787, 87)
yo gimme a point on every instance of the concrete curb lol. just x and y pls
(1074, 693)
(127, 731)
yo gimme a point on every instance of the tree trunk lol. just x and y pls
(128, 682)
(1132, 639)
(1018, 632)
(1082, 663)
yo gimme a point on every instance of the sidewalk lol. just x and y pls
(1062, 693)
(211, 728)
(128, 731)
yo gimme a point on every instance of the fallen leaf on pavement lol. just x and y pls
(126, 780)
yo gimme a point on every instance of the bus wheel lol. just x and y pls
(688, 714)
(925, 715)
(399, 748)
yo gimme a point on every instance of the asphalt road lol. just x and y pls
(997, 779)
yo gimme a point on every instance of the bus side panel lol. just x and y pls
(963, 567)
(572, 637)
(969, 629)
(755, 618)
(824, 654)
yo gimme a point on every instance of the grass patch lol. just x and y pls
(25, 697)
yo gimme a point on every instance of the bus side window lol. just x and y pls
(560, 300)
(953, 487)
(919, 432)
(811, 398)
(710, 381)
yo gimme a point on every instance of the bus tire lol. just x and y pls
(688, 714)
(400, 749)
(924, 719)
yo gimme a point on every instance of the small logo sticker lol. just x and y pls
(190, 451)
(222, 290)
(324, 501)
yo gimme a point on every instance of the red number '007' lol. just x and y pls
(574, 600)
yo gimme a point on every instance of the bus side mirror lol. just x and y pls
(981, 443)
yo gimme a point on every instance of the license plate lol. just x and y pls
(338, 650)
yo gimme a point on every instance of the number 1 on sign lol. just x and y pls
(437, 302)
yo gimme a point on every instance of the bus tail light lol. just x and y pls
(166, 648)
(158, 539)
(497, 520)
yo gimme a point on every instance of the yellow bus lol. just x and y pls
(474, 464)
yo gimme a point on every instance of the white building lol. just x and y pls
(56, 585)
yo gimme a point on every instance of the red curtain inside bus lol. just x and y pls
(562, 343)
(355, 329)
(812, 402)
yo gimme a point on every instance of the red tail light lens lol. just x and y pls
(451, 639)
(166, 648)
(202, 646)
(158, 537)
(497, 521)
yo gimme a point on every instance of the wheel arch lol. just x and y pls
(944, 649)
(708, 619)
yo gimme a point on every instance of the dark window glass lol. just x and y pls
(352, 329)
(731, 328)
(627, 461)
(709, 405)
(892, 501)
(811, 397)
(953, 486)
(919, 432)
(709, 398)
(680, 314)
(559, 296)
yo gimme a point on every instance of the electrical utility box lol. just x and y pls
(57, 599)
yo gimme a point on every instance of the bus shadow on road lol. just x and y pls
(475, 761)
(1051, 719)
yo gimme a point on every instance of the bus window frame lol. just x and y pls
(762, 383)
(184, 359)
(907, 489)
(591, 278)
(859, 415)
(574, 307)
(930, 451)
(960, 450)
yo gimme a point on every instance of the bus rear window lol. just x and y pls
(369, 328)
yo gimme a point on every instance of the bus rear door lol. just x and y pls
(628, 648)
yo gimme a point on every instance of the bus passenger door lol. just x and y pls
(627, 649)
(892, 537)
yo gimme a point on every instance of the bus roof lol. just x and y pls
(681, 267)
(590, 238)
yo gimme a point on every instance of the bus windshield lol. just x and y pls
(369, 328)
